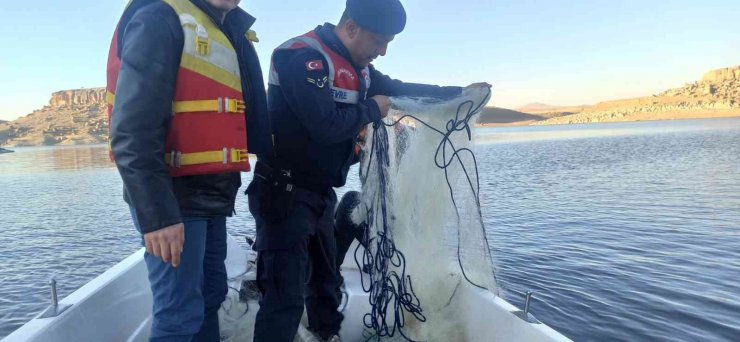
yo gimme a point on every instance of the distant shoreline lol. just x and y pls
(484, 125)
(553, 122)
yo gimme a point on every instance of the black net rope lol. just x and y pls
(390, 290)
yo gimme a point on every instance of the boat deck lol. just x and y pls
(116, 306)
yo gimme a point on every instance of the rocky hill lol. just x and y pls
(717, 94)
(78, 116)
(550, 111)
(496, 116)
(72, 117)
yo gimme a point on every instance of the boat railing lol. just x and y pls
(524, 313)
(54, 308)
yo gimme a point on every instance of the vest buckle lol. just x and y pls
(202, 42)
(235, 106)
(251, 35)
(239, 155)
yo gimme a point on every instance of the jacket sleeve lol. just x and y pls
(384, 85)
(150, 58)
(309, 95)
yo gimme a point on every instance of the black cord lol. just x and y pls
(386, 287)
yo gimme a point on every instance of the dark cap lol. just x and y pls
(386, 17)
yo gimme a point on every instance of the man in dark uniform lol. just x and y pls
(323, 91)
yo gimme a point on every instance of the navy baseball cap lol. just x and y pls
(386, 17)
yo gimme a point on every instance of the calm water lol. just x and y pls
(627, 232)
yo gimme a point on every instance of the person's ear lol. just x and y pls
(352, 29)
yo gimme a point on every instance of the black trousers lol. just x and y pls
(296, 265)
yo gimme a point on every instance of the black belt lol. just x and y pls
(264, 171)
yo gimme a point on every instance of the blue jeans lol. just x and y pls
(187, 298)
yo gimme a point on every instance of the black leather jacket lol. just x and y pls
(150, 46)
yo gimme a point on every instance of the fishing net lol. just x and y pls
(420, 201)
(239, 310)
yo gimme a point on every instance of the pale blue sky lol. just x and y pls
(557, 52)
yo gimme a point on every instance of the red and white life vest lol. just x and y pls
(344, 81)
(208, 133)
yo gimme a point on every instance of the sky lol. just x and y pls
(556, 52)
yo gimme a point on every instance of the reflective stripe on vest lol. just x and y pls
(211, 55)
(225, 156)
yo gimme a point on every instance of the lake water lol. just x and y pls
(626, 232)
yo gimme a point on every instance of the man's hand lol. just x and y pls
(166, 243)
(384, 103)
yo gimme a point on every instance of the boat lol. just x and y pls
(116, 306)
(2, 150)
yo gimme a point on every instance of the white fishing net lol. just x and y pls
(420, 198)
(239, 309)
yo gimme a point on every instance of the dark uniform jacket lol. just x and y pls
(314, 135)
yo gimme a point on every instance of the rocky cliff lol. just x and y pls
(722, 75)
(77, 97)
(717, 94)
(72, 117)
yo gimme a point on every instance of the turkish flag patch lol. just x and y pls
(314, 65)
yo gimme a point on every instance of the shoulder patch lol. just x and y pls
(319, 82)
(314, 65)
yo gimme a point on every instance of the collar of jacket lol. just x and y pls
(238, 18)
(330, 38)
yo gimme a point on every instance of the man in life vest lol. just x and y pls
(186, 98)
(322, 92)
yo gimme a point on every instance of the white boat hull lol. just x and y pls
(116, 306)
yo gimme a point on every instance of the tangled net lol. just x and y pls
(420, 202)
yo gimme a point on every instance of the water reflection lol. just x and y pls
(54, 158)
(494, 135)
